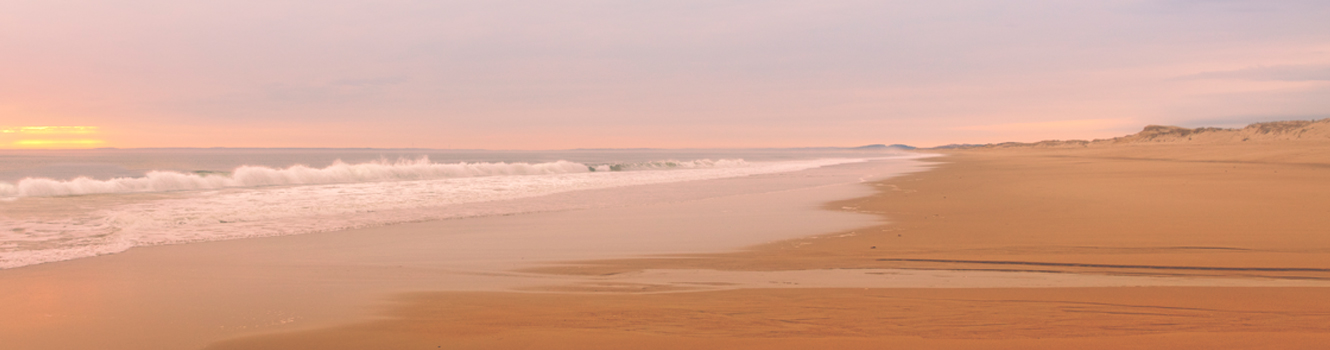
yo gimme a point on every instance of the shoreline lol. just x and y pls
(190, 295)
(1135, 228)
(940, 235)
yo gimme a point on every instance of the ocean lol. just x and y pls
(59, 205)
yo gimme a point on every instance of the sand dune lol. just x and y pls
(1311, 131)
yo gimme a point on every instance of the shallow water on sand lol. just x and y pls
(185, 296)
(75, 204)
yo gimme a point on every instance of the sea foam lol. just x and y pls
(260, 201)
(254, 176)
(339, 172)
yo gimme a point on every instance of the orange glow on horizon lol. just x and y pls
(52, 136)
(57, 143)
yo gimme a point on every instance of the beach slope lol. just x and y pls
(1251, 204)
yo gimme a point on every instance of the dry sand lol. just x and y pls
(1161, 207)
(1091, 318)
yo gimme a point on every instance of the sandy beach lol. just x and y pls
(251, 175)
(1191, 211)
(1170, 238)
(185, 296)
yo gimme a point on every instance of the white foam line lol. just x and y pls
(338, 172)
(288, 210)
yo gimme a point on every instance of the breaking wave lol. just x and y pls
(339, 172)
(264, 202)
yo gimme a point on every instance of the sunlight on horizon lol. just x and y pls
(51, 136)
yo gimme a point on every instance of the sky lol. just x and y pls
(664, 74)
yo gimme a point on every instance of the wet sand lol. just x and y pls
(1194, 211)
(1255, 212)
(189, 295)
